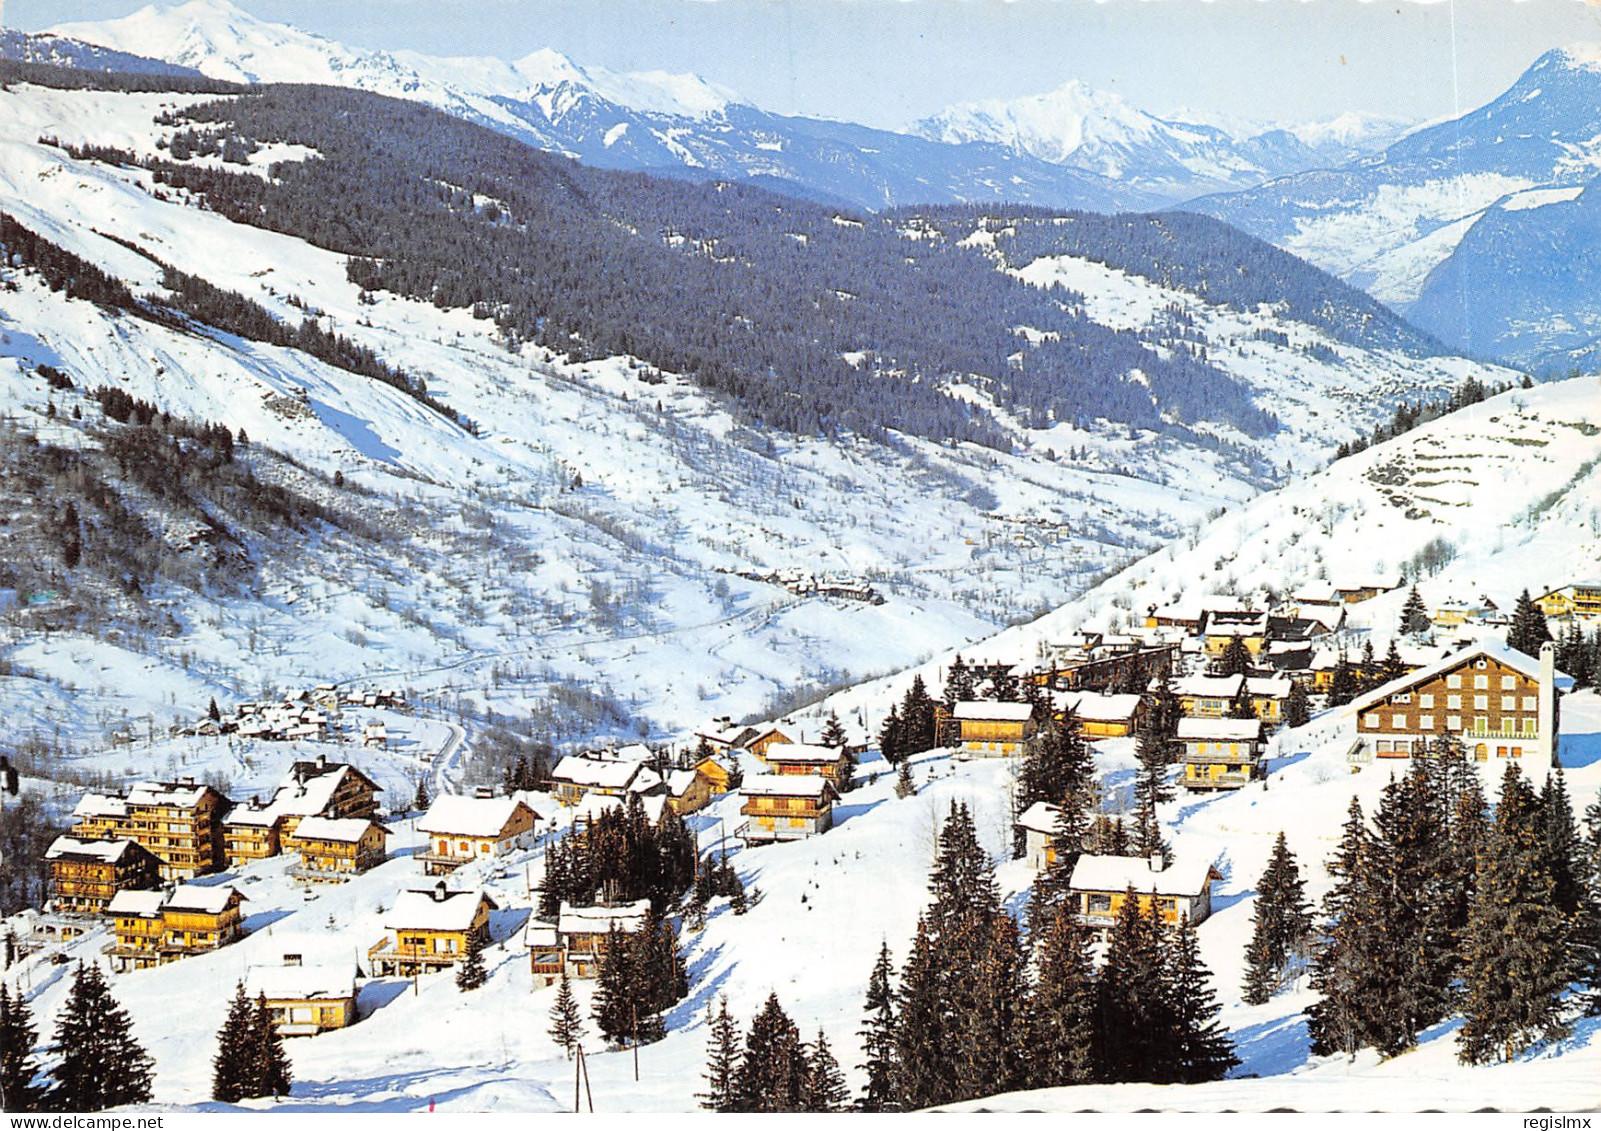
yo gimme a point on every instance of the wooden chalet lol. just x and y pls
(786, 807)
(1220, 753)
(1038, 823)
(1101, 884)
(689, 791)
(85, 875)
(324, 789)
(178, 822)
(304, 1000)
(463, 829)
(1497, 701)
(765, 737)
(1581, 599)
(336, 848)
(252, 831)
(989, 729)
(1213, 697)
(831, 762)
(1221, 627)
(579, 775)
(431, 928)
(153, 928)
(577, 940)
(1103, 716)
(723, 737)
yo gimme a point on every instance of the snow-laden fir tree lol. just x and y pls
(1571, 871)
(1297, 710)
(1134, 1024)
(233, 1066)
(472, 973)
(1414, 614)
(270, 1074)
(566, 1023)
(904, 785)
(1517, 963)
(1529, 629)
(1341, 972)
(1202, 1049)
(17, 1067)
(101, 1064)
(1281, 925)
(833, 733)
(1235, 659)
(1151, 788)
(722, 1058)
(878, 1038)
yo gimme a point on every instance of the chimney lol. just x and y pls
(1547, 742)
(1156, 862)
(440, 892)
(322, 761)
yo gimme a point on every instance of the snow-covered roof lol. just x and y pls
(301, 983)
(1277, 687)
(625, 917)
(1319, 592)
(203, 898)
(1095, 707)
(182, 795)
(990, 711)
(432, 910)
(1208, 686)
(263, 816)
(679, 782)
(1491, 649)
(1219, 730)
(539, 934)
(595, 804)
(1040, 817)
(101, 805)
(471, 816)
(803, 752)
(308, 789)
(143, 904)
(633, 752)
(106, 851)
(345, 830)
(1119, 873)
(814, 786)
(596, 773)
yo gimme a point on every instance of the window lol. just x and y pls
(1481, 683)
(1425, 701)
(1404, 698)
(1398, 721)
(1509, 702)
(1531, 703)
(1453, 722)
(1425, 722)
(1370, 721)
(1481, 702)
(1453, 681)
(1098, 904)
(1508, 682)
(1530, 728)
(445, 946)
(1481, 663)
(465, 847)
(1454, 702)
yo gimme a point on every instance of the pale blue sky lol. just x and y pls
(887, 62)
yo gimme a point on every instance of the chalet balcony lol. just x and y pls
(809, 813)
(752, 833)
(435, 863)
(386, 957)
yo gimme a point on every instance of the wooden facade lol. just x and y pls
(996, 730)
(305, 1000)
(85, 875)
(1100, 885)
(431, 928)
(338, 849)
(154, 928)
(1220, 753)
(786, 807)
(463, 829)
(180, 823)
(831, 762)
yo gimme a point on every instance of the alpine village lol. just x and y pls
(487, 631)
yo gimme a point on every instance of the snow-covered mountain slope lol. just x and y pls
(57, 51)
(664, 123)
(1393, 224)
(1176, 157)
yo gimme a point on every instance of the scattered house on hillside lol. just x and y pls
(989, 729)
(179, 822)
(765, 737)
(1581, 599)
(1223, 626)
(432, 928)
(1345, 590)
(805, 758)
(153, 928)
(320, 788)
(579, 775)
(1220, 753)
(1102, 716)
(719, 776)
(252, 831)
(689, 791)
(375, 734)
(723, 736)
(577, 940)
(85, 875)
(304, 1000)
(1038, 823)
(1456, 612)
(1497, 701)
(1100, 885)
(332, 849)
(463, 829)
(1186, 614)
(786, 807)
(591, 808)
(1207, 696)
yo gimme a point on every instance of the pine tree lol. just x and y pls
(1341, 973)
(213, 712)
(1061, 1017)
(566, 1024)
(1203, 1050)
(1344, 684)
(921, 1056)
(233, 1066)
(904, 785)
(1281, 924)
(471, 973)
(421, 801)
(1529, 629)
(270, 1074)
(613, 1006)
(917, 719)
(825, 1088)
(1414, 613)
(1151, 788)
(991, 1049)
(878, 1038)
(1392, 667)
(17, 1068)
(833, 732)
(958, 684)
(891, 738)
(1297, 710)
(101, 1064)
(1134, 1026)
(1235, 659)
(1517, 965)
(722, 1059)
(772, 1072)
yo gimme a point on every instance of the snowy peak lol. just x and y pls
(1053, 126)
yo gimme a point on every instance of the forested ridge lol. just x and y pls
(808, 320)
